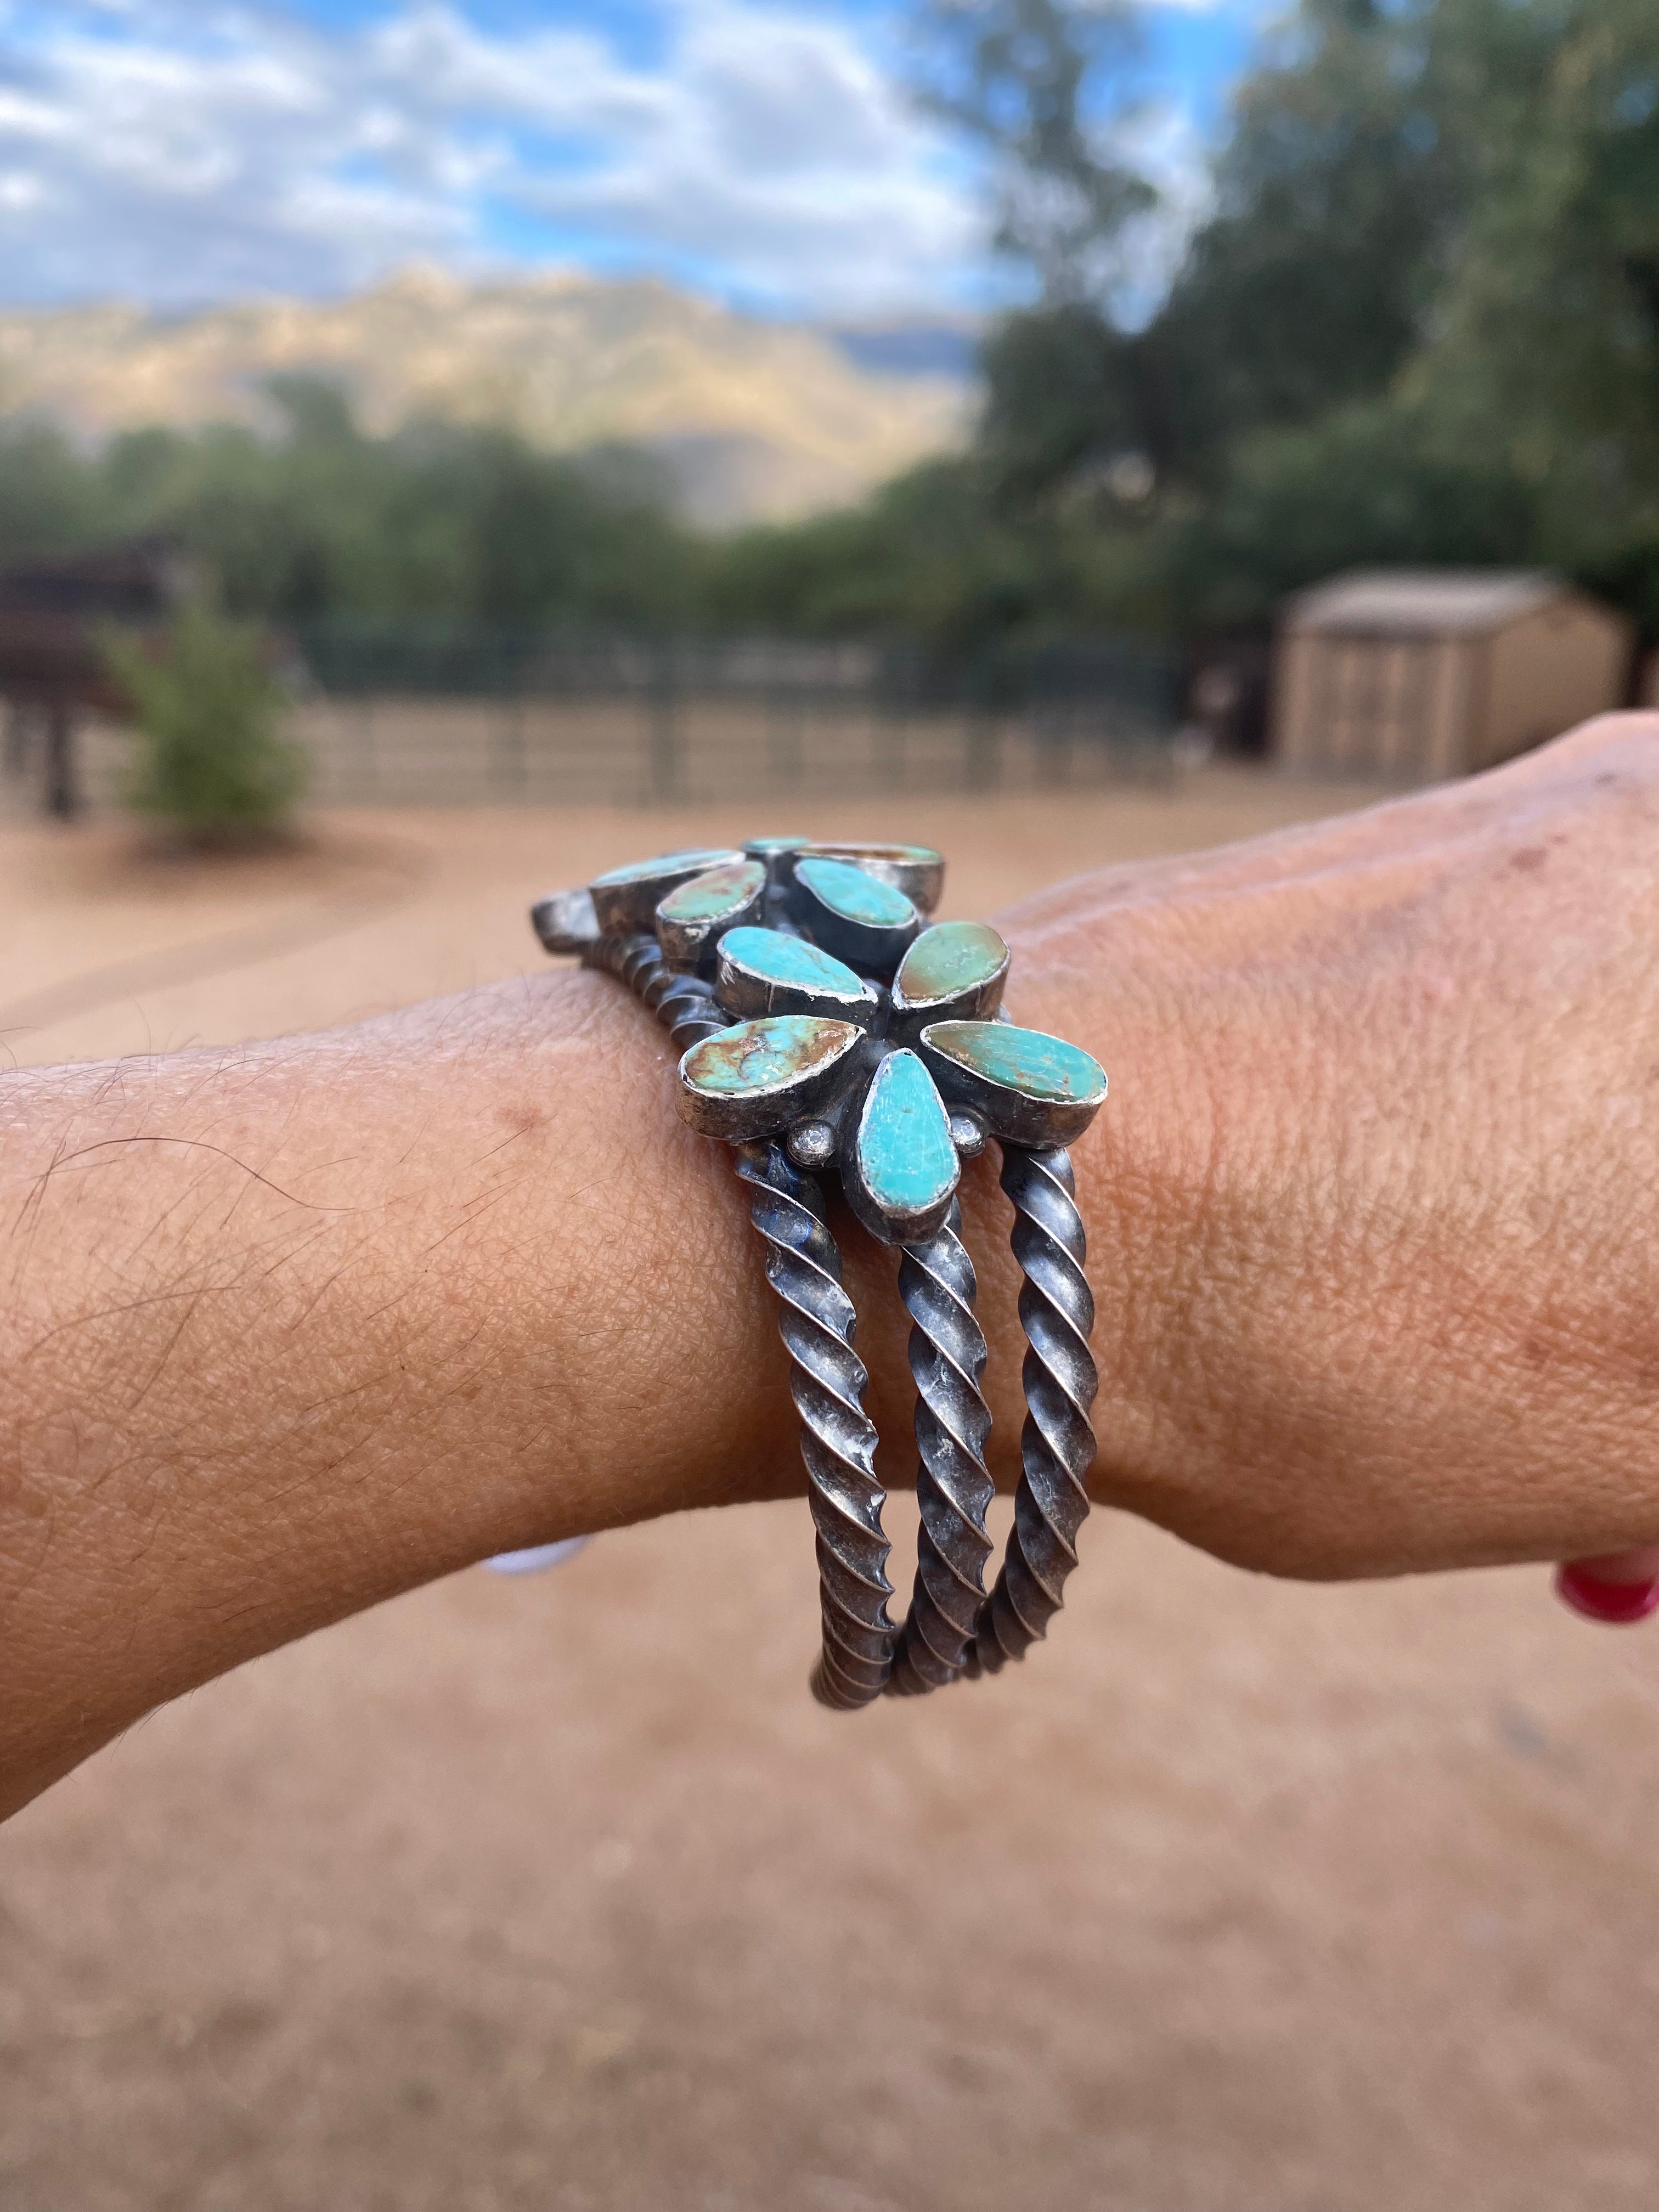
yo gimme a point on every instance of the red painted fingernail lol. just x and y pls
(1600, 1597)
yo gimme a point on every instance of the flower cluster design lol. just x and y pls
(860, 1034)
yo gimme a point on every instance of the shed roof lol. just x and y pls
(1413, 601)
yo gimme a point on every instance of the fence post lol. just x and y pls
(510, 776)
(982, 749)
(664, 726)
(783, 732)
(19, 732)
(369, 763)
(63, 792)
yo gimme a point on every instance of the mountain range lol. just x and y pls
(753, 420)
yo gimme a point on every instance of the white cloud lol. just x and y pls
(173, 152)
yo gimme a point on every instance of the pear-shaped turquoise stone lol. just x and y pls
(626, 899)
(948, 961)
(1028, 1061)
(767, 1054)
(848, 891)
(716, 891)
(665, 864)
(916, 869)
(780, 959)
(906, 1160)
(757, 1077)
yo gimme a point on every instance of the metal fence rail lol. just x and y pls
(432, 716)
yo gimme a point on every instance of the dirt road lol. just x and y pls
(1237, 1898)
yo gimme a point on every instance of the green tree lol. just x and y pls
(1546, 346)
(1434, 253)
(1373, 485)
(214, 765)
(49, 500)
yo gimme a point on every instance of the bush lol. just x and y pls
(214, 765)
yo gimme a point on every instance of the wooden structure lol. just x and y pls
(53, 616)
(1417, 674)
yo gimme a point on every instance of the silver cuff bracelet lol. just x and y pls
(823, 1025)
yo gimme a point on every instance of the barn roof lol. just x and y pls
(1415, 601)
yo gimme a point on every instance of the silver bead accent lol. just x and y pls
(811, 1145)
(1057, 1445)
(967, 1133)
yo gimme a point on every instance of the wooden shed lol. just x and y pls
(53, 616)
(1420, 673)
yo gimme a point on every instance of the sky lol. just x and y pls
(762, 152)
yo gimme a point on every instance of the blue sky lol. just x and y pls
(174, 151)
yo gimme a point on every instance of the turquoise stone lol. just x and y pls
(626, 899)
(766, 971)
(848, 891)
(1037, 1067)
(665, 864)
(792, 960)
(757, 1077)
(948, 961)
(913, 856)
(718, 891)
(916, 869)
(906, 1161)
(761, 849)
(761, 1055)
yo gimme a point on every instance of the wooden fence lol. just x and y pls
(404, 717)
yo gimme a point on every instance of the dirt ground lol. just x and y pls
(1237, 1898)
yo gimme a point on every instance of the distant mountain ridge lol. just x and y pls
(753, 420)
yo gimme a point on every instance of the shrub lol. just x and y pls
(214, 765)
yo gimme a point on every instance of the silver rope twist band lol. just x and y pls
(1057, 1445)
(954, 1489)
(827, 1380)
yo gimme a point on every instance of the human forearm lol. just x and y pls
(1371, 1212)
(291, 1329)
(1375, 1204)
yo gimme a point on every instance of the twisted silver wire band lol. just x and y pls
(953, 1486)
(685, 1005)
(827, 1380)
(1057, 1445)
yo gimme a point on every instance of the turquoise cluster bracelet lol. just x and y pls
(826, 1028)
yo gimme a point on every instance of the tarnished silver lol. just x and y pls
(565, 921)
(821, 1026)
(954, 1488)
(685, 1005)
(1057, 1445)
(626, 900)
